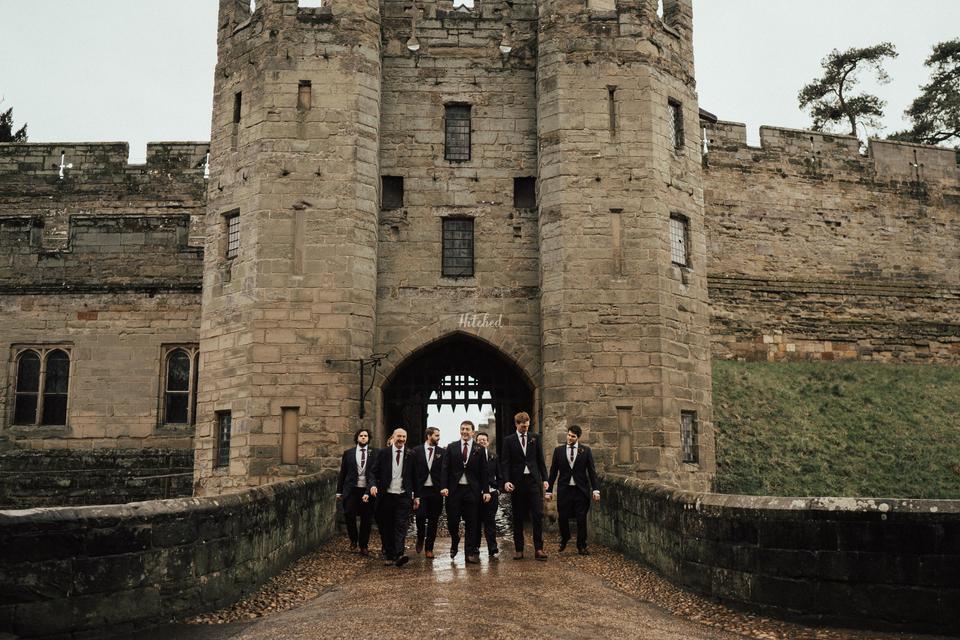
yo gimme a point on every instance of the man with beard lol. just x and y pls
(356, 474)
(427, 470)
(523, 471)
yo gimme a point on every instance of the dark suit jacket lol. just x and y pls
(383, 471)
(475, 469)
(493, 470)
(512, 460)
(347, 481)
(584, 470)
(421, 471)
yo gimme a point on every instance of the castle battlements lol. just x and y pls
(823, 155)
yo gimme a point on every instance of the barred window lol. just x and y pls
(232, 221)
(224, 425)
(42, 387)
(457, 129)
(679, 240)
(689, 436)
(180, 385)
(458, 247)
(676, 128)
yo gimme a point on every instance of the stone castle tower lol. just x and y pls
(385, 173)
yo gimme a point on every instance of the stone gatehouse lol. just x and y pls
(522, 199)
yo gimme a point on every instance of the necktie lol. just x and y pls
(571, 455)
(398, 456)
(363, 457)
(465, 450)
(430, 449)
(523, 441)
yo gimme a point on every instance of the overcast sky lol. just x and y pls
(139, 70)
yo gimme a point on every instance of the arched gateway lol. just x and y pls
(471, 370)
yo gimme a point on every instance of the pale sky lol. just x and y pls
(139, 70)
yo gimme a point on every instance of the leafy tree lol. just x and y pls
(6, 128)
(935, 114)
(831, 98)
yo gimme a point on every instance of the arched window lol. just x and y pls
(27, 391)
(180, 386)
(42, 387)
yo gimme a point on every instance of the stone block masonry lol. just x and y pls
(882, 564)
(71, 571)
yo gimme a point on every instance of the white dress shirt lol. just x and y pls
(430, 458)
(362, 471)
(469, 443)
(576, 452)
(396, 479)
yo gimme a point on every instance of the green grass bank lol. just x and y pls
(837, 429)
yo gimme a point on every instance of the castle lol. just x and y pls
(380, 170)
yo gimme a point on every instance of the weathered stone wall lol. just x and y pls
(300, 167)
(819, 252)
(31, 478)
(459, 61)
(844, 561)
(79, 569)
(102, 261)
(625, 340)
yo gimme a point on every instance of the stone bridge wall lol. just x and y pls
(79, 569)
(31, 478)
(845, 561)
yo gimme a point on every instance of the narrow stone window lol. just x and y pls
(237, 106)
(232, 224)
(224, 425)
(624, 435)
(41, 387)
(289, 435)
(525, 193)
(305, 95)
(391, 196)
(27, 389)
(458, 247)
(689, 437)
(180, 385)
(676, 128)
(457, 126)
(612, 108)
(679, 240)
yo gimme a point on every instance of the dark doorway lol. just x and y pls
(456, 371)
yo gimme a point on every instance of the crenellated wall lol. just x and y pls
(817, 251)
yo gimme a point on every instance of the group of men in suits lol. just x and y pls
(388, 484)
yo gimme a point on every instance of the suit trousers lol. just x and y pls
(488, 518)
(354, 507)
(528, 500)
(393, 511)
(428, 518)
(464, 504)
(573, 503)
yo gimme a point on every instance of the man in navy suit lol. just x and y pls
(393, 488)
(356, 474)
(524, 472)
(488, 510)
(427, 470)
(574, 466)
(465, 485)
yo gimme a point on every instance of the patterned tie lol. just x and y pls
(398, 456)
(363, 457)
(571, 455)
(465, 451)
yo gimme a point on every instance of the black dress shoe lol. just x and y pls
(419, 545)
(583, 551)
(563, 545)
(541, 555)
(402, 560)
(472, 559)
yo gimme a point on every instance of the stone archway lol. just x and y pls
(471, 370)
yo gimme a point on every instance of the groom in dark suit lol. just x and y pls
(427, 469)
(356, 474)
(465, 485)
(393, 488)
(524, 472)
(573, 465)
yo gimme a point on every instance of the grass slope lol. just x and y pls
(837, 429)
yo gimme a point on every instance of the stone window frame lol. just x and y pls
(520, 186)
(231, 232)
(453, 132)
(444, 272)
(680, 236)
(221, 443)
(689, 437)
(677, 129)
(192, 351)
(392, 186)
(43, 351)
